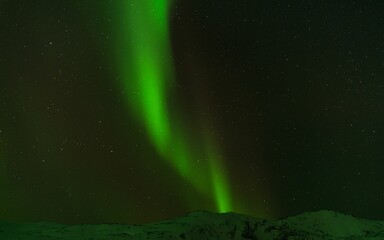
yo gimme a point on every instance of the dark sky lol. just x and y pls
(290, 91)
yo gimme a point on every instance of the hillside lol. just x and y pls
(206, 225)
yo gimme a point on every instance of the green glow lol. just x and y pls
(152, 102)
(221, 191)
(219, 180)
(148, 77)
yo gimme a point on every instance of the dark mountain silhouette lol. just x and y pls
(200, 225)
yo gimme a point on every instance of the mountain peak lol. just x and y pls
(208, 225)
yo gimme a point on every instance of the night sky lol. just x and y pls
(135, 111)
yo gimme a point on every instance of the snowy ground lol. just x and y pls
(205, 225)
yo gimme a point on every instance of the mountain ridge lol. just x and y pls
(199, 225)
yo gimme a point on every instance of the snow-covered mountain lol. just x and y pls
(201, 225)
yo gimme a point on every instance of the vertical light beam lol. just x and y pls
(148, 78)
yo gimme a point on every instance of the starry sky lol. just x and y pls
(135, 111)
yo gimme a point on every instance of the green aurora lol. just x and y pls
(137, 111)
(148, 77)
